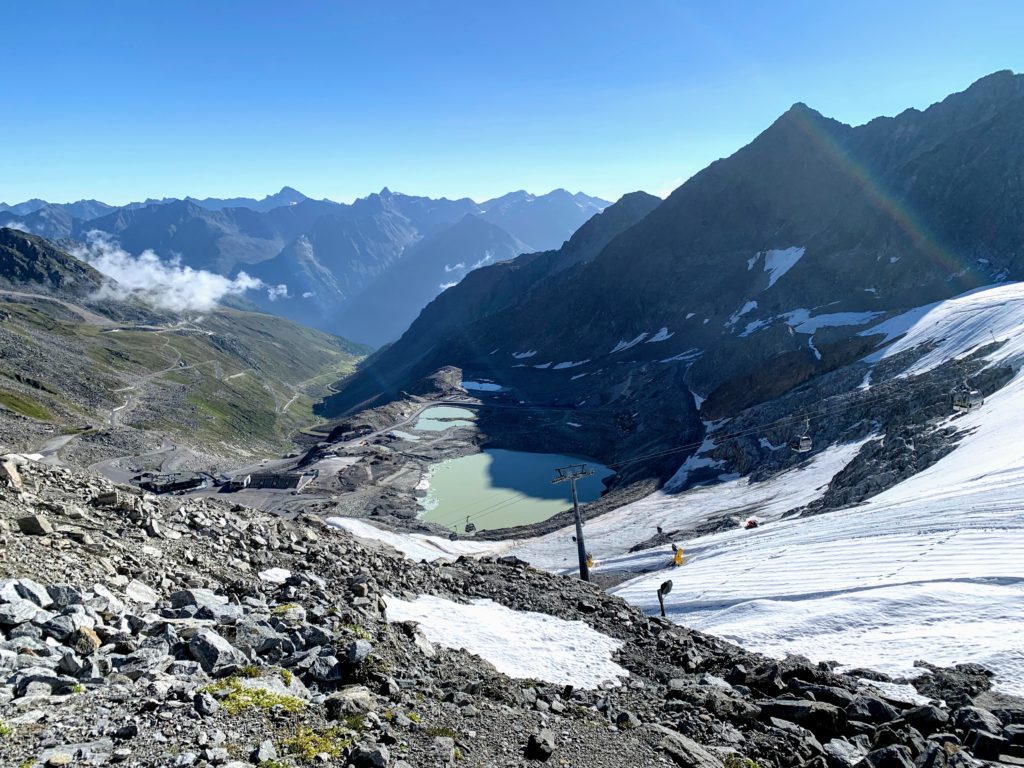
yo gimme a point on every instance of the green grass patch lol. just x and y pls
(356, 630)
(26, 406)
(307, 744)
(732, 760)
(236, 697)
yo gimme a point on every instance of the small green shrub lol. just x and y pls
(306, 744)
(733, 760)
(356, 722)
(236, 697)
(356, 630)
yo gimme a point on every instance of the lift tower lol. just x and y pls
(572, 473)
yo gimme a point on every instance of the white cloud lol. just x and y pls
(487, 258)
(446, 286)
(308, 295)
(17, 225)
(454, 268)
(166, 284)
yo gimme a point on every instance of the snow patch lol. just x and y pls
(802, 322)
(753, 326)
(814, 349)
(415, 546)
(750, 306)
(690, 354)
(275, 575)
(779, 262)
(661, 335)
(522, 644)
(524, 355)
(569, 364)
(624, 345)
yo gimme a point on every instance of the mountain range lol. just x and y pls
(399, 250)
(755, 277)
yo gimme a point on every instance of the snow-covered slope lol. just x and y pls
(932, 568)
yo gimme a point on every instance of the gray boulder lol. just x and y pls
(842, 754)
(683, 750)
(977, 719)
(64, 595)
(35, 525)
(18, 611)
(34, 591)
(350, 700)
(927, 718)
(895, 756)
(198, 597)
(541, 745)
(358, 651)
(823, 720)
(213, 652)
(868, 709)
(372, 756)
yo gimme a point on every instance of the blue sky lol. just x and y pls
(122, 101)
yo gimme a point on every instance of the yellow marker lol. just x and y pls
(677, 560)
(590, 560)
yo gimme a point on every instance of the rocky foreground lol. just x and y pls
(160, 632)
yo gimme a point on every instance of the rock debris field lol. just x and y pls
(139, 631)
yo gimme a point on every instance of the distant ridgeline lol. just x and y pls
(362, 271)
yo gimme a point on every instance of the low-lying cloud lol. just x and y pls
(18, 226)
(164, 283)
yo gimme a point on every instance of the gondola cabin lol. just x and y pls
(801, 444)
(966, 399)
